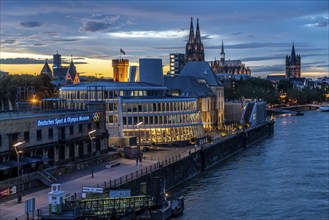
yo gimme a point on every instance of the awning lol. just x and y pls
(42, 158)
(11, 164)
(4, 166)
(31, 160)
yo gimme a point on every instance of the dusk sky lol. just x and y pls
(260, 33)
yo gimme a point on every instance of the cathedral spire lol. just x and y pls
(222, 53)
(197, 32)
(191, 36)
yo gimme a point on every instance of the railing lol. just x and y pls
(114, 183)
(46, 178)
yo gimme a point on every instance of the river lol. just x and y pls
(285, 176)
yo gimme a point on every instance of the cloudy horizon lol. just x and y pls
(259, 33)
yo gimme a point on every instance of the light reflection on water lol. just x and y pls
(283, 177)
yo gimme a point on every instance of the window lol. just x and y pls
(71, 130)
(39, 135)
(80, 128)
(50, 133)
(27, 136)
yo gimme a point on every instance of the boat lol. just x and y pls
(299, 113)
(324, 107)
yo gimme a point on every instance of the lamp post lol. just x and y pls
(17, 155)
(139, 134)
(92, 153)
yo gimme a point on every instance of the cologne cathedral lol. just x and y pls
(195, 52)
(194, 46)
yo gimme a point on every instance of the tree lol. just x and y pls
(284, 85)
(41, 83)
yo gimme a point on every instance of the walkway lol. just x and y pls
(74, 182)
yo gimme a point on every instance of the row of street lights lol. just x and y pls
(19, 196)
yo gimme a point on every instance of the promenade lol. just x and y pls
(73, 183)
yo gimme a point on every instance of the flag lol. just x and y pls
(121, 51)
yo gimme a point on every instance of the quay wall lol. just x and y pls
(182, 169)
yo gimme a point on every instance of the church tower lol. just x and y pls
(293, 64)
(46, 70)
(222, 54)
(194, 48)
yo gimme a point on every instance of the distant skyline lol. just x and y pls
(260, 33)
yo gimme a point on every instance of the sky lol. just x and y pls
(259, 33)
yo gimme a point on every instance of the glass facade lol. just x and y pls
(161, 119)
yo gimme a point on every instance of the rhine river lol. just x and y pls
(283, 177)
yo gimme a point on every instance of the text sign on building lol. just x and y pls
(63, 120)
(119, 193)
(87, 189)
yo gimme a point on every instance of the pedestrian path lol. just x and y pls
(11, 209)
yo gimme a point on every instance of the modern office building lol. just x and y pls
(120, 70)
(176, 63)
(197, 80)
(142, 109)
(293, 64)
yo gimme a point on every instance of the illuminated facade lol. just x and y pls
(198, 81)
(53, 136)
(162, 119)
(176, 63)
(120, 70)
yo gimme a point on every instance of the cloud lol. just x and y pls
(39, 61)
(21, 61)
(169, 34)
(50, 33)
(206, 37)
(271, 68)
(252, 45)
(8, 42)
(261, 58)
(38, 45)
(100, 23)
(30, 24)
(66, 40)
(318, 22)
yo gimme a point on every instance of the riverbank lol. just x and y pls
(181, 166)
(177, 170)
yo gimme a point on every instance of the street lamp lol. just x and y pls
(92, 154)
(17, 155)
(139, 134)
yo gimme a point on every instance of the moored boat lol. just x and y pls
(324, 107)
